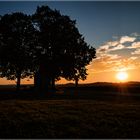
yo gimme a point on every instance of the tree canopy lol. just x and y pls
(15, 37)
(65, 52)
(47, 43)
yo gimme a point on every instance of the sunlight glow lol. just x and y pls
(122, 76)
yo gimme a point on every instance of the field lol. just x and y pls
(90, 111)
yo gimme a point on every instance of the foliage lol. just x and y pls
(15, 37)
(65, 52)
(47, 43)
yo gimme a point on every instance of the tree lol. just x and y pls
(47, 46)
(15, 42)
(65, 53)
(44, 20)
(77, 60)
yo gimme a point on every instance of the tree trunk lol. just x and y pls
(37, 80)
(43, 80)
(40, 79)
(18, 81)
(43, 87)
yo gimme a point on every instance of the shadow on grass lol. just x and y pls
(84, 92)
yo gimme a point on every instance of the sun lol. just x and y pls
(122, 76)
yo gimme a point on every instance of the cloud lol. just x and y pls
(112, 63)
(118, 47)
(110, 59)
(136, 52)
(119, 44)
(112, 43)
(134, 45)
(133, 58)
(135, 34)
(103, 49)
(110, 46)
(124, 39)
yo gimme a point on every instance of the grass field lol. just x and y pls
(109, 111)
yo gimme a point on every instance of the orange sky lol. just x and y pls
(122, 54)
(119, 54)
(111, 27)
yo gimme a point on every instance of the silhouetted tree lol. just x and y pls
(44, 20)
(15, 41)
(75, 69)
(64, 51)
(47, 46)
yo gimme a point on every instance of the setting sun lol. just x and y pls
(122, 76)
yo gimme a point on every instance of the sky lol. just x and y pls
(112, 27)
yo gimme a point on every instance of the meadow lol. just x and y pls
(101, 110)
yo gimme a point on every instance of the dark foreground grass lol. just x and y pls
(103, 116)
(69, 119)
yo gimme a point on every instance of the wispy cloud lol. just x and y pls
(118, 44)
(136, 52)
(108, 58)
(110, 46)
(135, 34)
(118, 47)
(124, 39)
(135, 45)
(103, 49)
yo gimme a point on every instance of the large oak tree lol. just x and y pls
(65, 52)
(16, 31)
(47, 45)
